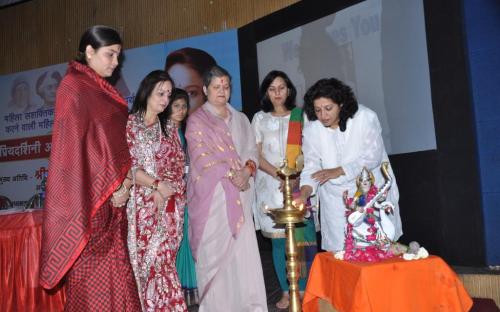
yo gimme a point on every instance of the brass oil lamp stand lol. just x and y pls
(289, 215)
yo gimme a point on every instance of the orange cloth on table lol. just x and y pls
(391, 285)
(20, 243)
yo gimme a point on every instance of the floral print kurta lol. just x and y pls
(154, 234)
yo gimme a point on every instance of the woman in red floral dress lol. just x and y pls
(156, 206)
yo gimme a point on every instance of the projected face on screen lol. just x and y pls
(190, 81)
(187, 66)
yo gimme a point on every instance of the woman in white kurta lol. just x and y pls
(221, 192)
(341, 139)
(270, 127)
(276, 127)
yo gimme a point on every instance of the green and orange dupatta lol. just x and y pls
(305, 234)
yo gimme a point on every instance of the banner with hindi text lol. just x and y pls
(28, 98)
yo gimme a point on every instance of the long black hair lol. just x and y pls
(336, 91)
(144, 92)
(265, 102)
(97, 36)
(176, 95)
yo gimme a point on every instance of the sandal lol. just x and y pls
(284, 302)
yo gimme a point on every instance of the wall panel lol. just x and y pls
(38, 33)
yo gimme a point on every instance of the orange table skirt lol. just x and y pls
(393, 285)
(20, 244)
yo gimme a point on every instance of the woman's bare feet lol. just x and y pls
(284, 302)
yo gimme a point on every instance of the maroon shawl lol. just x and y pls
(89, 159)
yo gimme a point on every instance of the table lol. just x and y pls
(20, 244)
(393, 285)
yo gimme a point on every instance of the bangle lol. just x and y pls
(154, 185)
(120, 191)
(119, 187)
(250, 164)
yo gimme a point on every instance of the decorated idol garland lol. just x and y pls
(369, 233)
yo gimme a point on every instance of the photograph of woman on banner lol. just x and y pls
(223, 157)
(176, 112)
(46, 87)
(84, 229)
(187, 66)
(20, 97)
(157, 198)
(5, 202)
(278, 133)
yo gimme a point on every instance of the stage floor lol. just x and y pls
(274, 292)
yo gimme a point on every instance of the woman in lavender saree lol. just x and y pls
(221, 192)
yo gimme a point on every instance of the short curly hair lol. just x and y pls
(338, 92)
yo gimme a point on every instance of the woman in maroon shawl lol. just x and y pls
(85, 225)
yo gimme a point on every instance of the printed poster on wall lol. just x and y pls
(27, 112)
